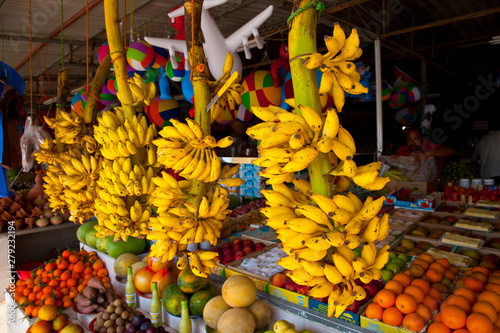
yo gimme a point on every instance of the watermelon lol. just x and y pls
(171, 298)
(190, 283)
(198, 300)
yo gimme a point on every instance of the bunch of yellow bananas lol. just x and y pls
(320, 241)
(184, 148)
(142, 93)
(123, 205)
(67, 126)
(200, 262)
(231, 98)
(339, 72)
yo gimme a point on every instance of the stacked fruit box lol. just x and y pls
(251, 187)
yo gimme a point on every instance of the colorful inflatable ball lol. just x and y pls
(160, 111)
(140, 55)
(260, 90)
(176, 74)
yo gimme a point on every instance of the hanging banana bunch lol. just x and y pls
(231, 98)
(67, 126)
(125, 182)
(142, 93)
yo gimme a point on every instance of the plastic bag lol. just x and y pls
(30, 143)
(423, 171)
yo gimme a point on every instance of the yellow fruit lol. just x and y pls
(47, 312)
(59, 322)
(239, 291)
(41, 326)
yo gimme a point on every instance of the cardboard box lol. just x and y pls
(347, 316)
(378, 326)
(405, 198)
(288, 295)
(418, 187)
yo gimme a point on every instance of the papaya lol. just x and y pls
(132, 245)
(91, 239)
(101, 243)
(171, 298)
(123, 262)
(82, 230)
(198, 300)
(190, 283)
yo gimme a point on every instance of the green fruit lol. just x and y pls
(399, 262)
(132, 245)
(190, 283)
(387, 275)
(102, 242)
(84, 229)
(90, 238)
(393, 267)
(392, 255)
(198, 300)
(123, 262)
(403, 257)
(171, 298)
(357, 251)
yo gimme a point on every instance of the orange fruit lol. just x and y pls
(480, 276)
(444, 262)
(430, 302)
(423, 312)
(461, 330)
(496, 329)
(454, 269)
(416, 293)
(492, 297)
(385, 298)
(436, 294)
(437, 327)
(497, 322)
(454, 317)
(490, 286)
(483, 270)
(394, 286)
(406, 303)
(438, 318)
(416, 270)
(421, 262)
(392, 316)
(487, 309)
(374, 311)
(467, 293)
(449, 275)
(479, 323)
(460, 301)
(427, 257)
(473, 284)
(438, 267)
(413, 322)
(434, 275)
(402, 278)
(422, 284)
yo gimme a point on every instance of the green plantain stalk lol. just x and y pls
(199, 70)
(301, 41)
(118, 56)
(89, 115)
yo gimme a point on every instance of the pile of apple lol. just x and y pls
(410, 247)
(236, 249)
(454, 193)
(245, 209)
(453, 209)
(446, 220)
(280, 280)
(436, 234)
(490, 261)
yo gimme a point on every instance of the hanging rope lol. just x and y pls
(87, 40)
(318, 5)
(124, 23)
(62, 36)
(31, 72)
(132, 20)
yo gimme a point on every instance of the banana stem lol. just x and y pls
(199, 70)
(62, 97)
(302, 40)
(117, 53)
(89, 115)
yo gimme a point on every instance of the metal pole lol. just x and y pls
(378, 98)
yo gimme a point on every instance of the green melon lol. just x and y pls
(84, 229)
(102, 242)
(91, 239)
(171, 298)
(132, 245)
(190, 283)
(123, 262)
(198, 300)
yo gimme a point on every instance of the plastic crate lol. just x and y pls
(250, 192)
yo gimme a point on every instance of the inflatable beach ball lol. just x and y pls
(187, 87)
(287, 91)
(414, 93)
(161, 110)
(386, 91)
(78, 103)
(405, 116)
(107, 97)
(103, 52)
(227, 117)
(399, 96)
(260, 90)
(176, 74)
(140, 55)
(111, 85)
(161, 57)
(83, 96)
(243, 114)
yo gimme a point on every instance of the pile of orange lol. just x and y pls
(474, 306)
(59, 280)
(409, 300)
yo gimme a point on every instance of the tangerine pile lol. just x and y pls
(410, 298)
(59, 280)
(474, 306)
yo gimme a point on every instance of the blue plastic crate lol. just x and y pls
(248, 175)
(251, 192)
(249, 167)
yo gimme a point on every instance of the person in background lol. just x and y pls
(488, 153)
(418, 146)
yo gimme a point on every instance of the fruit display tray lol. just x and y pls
(490, 239)
(410, 215)
(444, 241)
(490, 228)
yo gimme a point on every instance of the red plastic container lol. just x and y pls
(24, 270)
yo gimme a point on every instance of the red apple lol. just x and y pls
(301, 289)
(259, 246)
(227, 259)
(236, 247)
(491, 257)
(247, 243)
(225, 247)
(279, 280)
(371, 289)
(238, 255)
(247, 250)
(451, 219)
(323, 299)
(236, 241)
(290, 285)
(227, 253)
(354, 307)
(443, 248)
